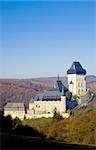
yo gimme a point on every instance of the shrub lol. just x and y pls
(16, 122)
(6, 123)
(75, 97)
(68, 111)
(57, 115)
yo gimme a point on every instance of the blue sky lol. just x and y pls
(41, 39)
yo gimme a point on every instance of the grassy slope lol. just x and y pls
(20, 142)
(79, 129)
(41, 124)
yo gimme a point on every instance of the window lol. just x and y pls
(81, 84)
(78, 84)
(38, 106)
(79, 91)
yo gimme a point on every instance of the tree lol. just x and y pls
(16, 122)
(6, 123)
(76, 97)
(57, 115)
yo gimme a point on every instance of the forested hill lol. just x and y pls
(14, 90)
(90, 79)
(22, 90)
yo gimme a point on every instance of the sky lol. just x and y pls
(42, 39)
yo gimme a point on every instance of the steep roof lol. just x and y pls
(54, 94)
(76, 68)
(59, 85)
(48, 95)
(14, 105)
(70, 104)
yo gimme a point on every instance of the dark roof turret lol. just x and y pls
(76, 68)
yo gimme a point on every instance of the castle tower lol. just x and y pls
(76, 79)
(63, 101)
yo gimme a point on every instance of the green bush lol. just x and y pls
(75, 97)
(68, 111)
(16, 122)
(57, 115)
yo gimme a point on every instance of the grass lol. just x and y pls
(41, 124)
(39, 83)
(79, 128)
(9, 141)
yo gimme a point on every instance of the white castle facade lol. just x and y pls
(15, 110)
(46, 108)
(44, 104)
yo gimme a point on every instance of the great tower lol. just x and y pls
(77, 79)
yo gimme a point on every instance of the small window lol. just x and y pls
(38, 106)
(78, 84)
(79, 91)
(81, 84)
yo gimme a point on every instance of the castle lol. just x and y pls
(59, 98)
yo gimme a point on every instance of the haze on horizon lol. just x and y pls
(42, 39)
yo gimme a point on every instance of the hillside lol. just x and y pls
(22, 90)
(76, 132)
(91, 83)
(14, 90)
(90, 80)
(80, 128)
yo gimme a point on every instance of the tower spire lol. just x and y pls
(58, 76)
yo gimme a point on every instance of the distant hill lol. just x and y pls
(91, 83)
(22, 90)
(14, 90)
(50, 81)
(90, 79)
